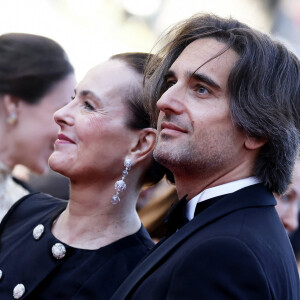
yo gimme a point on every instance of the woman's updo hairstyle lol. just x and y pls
(136, 102)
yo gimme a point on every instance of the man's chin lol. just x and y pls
(163, 156)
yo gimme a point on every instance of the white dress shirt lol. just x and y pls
(218, 190)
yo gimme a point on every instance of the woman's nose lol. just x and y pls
(290, 219)
(64, 116)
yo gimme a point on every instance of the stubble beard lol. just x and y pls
(189, 159)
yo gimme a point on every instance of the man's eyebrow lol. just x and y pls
(196, 76)
(204, 78)
(169, 73)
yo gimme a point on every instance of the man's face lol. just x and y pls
(195, 131)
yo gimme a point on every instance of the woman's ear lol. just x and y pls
(10, 104)
(144, 145)
(254, 143)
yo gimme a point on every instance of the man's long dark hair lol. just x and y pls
(263, 85)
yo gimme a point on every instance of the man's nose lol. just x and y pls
(172, 101)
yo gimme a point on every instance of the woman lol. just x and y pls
(84, 248)
(36, 79)
(288, 204)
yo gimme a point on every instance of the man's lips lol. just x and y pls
(166, 126)
(64, 139)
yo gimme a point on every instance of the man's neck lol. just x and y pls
(194, 185)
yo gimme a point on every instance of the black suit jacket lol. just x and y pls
(235, 249)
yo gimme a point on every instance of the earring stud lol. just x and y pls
(12, 118)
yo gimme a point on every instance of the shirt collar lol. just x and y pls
(218, 190)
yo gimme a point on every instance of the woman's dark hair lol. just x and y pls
(263, 85)
(30, 65)
(139, 116)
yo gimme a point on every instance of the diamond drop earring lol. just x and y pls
(120, 185)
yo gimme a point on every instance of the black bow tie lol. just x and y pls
(176, 217)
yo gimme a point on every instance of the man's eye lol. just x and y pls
(202, 90)
(88, 106)
(170, 83)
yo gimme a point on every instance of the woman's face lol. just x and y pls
(288, 203)
(36, 130)
(94, 140)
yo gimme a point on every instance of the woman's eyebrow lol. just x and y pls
(88, 93)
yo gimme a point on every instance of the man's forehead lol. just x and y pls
(205, 47)
(209, 56)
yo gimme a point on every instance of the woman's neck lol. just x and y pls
(90, 221)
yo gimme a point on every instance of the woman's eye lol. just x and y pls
(285, 198)
(88, 106)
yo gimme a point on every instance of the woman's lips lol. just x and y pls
(63, 139)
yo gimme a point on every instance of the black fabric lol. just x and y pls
(81, 274)
(201, 206)
(176, 217)
(236, 248)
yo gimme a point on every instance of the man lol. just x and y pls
(227, 130)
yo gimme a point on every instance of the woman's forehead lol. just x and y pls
(109, 75)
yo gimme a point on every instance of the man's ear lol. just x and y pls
(254, 143)
(144, 145)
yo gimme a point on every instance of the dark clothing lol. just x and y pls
(81, 274)
(236, 248)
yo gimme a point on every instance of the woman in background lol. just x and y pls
(84, 248)
(288, 204)
(36, 79)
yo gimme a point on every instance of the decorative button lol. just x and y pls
(1, 273)
(19, 291)
(38, 231)
(58, 251)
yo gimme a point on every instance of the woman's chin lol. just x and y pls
(56, 164)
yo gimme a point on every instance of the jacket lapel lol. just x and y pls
(252, 196)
